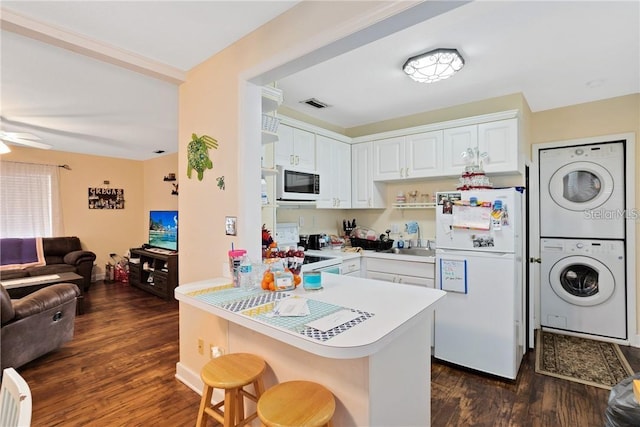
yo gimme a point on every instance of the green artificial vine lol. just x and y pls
(198, 154)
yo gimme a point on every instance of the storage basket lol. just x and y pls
(270, 123)
(374, 245)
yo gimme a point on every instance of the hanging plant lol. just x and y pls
(198, 154)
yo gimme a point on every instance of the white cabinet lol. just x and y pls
(388, 159)
(365, 193)
(333, 160)
(412, 156)
(296, 148)
(351, 267)
(401, 271)
(498, 139)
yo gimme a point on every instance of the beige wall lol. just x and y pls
(105, 231)
(209, 103)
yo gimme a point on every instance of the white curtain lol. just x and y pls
(30, 200)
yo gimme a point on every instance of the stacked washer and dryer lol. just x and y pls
(582, 245)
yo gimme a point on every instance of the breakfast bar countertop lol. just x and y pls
(388, 310)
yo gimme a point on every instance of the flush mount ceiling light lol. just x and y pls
(433, 66)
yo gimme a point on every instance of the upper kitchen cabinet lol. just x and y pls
(333, 160)
(365, 192)
(457, 141)
(408, 157)
(498, 139)
(295, 148)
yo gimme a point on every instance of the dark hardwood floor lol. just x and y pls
(119, 371)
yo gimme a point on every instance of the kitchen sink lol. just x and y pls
(412, 251)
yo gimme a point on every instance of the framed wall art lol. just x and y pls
(106, 198)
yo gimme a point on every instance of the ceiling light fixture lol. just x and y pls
(434, 65)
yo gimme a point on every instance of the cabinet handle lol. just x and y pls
(297, 160)
(291, 159)
(406, 172)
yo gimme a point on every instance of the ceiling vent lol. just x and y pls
(315, 103)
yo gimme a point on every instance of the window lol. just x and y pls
(29, 200)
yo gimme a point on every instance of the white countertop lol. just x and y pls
(396, 309)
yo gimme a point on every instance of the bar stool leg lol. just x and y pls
(230, 404)
(207, 394)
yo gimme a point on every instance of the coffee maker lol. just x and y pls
(316, 241)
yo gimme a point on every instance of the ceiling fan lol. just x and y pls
(23, 138)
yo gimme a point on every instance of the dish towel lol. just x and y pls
(411, 227)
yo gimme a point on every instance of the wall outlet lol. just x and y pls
(215, 351)
(200, 346)
(301, 221)
(394, 228)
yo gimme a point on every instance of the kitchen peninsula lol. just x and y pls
(377, 364)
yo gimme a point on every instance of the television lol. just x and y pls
(163, 230)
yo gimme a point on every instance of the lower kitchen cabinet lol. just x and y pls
(351, 267)
(402, 271)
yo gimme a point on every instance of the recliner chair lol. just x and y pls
(37, 323)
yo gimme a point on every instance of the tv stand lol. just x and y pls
(153, 271)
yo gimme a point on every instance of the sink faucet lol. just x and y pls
(419, 244)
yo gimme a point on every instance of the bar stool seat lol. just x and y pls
(231, 373)
(295, 404)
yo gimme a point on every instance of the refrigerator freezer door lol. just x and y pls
(482, 229)
(483, 328)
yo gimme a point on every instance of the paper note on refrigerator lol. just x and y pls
(453, 275)
(472, 217)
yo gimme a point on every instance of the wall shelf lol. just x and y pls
(271, 99)
(268, 137)
(414, 205)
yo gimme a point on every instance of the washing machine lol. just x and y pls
(582, 287)
(582, 192)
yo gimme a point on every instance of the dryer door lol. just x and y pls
(582, 281)
(580, 186)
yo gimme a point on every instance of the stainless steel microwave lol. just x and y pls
(295, 184)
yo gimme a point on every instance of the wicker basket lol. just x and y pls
(270, 123)
(374, 245)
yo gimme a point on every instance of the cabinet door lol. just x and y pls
(377, 275)
(412, 280)
(324, 148)
(304, 147)
(283, 152)
(333, 160)
(423, 154)
(455, 142)
(342, 174)
(500, 141)
(388, 159)
(365, 193)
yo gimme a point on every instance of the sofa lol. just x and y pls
(36, 324)
(59, 255)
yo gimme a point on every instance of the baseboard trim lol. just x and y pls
(192, 380)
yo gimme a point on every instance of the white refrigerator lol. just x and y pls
(479, 263)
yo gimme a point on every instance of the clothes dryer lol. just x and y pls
(583, 288)
(582, 191)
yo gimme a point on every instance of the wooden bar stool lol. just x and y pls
(295, 404)
(231, 373)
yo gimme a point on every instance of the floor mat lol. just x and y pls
(586, 361)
